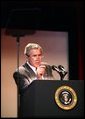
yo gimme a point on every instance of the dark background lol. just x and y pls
(50, 15)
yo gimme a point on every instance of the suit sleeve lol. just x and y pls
(21, 81)
(49, 72)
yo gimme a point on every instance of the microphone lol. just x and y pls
(61, 68)
(55, 68)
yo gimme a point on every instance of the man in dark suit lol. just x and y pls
(33, 68)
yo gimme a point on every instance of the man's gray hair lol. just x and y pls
(30, 46)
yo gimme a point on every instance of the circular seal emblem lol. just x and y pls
(65, 97)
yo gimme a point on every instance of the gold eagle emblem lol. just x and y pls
(66, 97)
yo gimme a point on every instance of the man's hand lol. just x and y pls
(41, 71)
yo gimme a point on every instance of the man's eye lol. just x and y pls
(40, 55)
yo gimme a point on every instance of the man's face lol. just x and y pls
(35, 57)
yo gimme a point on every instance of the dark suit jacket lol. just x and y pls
(24, 75)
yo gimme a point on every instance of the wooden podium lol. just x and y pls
(39, 100)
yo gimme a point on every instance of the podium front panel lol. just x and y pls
(39, 100)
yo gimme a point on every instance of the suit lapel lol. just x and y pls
(29, 70)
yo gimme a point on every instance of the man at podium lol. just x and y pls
(46, 98)
(33, 68)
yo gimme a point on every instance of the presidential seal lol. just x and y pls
(65, 97)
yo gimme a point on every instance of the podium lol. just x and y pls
(39, 101)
